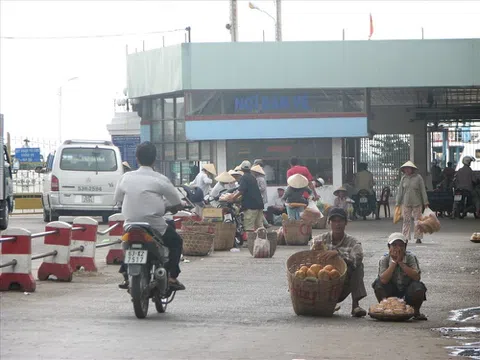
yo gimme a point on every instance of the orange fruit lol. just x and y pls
(323, 275)
(316, 268)
(303, 269)
(300, 274)
(310, 273)
(334, 274)
(329, 268)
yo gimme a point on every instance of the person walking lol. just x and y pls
(412, 195)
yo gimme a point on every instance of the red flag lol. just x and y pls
(371, 27)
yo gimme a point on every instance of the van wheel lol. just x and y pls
(105, 219)
(53, 216)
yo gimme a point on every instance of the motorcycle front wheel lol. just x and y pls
(139, 293)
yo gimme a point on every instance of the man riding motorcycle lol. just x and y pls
(364, 181)
(465, 179)
(146, 196)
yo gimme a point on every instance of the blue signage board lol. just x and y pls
(127, 145)
(28, 154)
(271, 104)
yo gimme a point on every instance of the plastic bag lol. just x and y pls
(397, 214)
(311, 214)
(261, 248)
(280, 236)
(428, 223)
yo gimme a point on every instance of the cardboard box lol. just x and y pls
(212, 214)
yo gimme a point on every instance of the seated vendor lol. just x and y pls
(294, 196)
(343, 201)
(399, 275)
(350, 250)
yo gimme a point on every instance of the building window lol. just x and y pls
(169, 130)
(194, 151)
(169, 108)
(205, 150)
(157, 131)
(181, 151)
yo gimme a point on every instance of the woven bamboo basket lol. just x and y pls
(196, 243)
(224, 236)
(271, 236)
(296, 232)
(315, 298)
(199, 226)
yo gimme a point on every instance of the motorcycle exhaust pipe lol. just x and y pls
(161, 278)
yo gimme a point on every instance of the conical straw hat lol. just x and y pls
(408, 164)
(258, 169)
(297, 181)
(341, 188)
(210, 168)
(238, 168)
(225, 177)
(234, 172)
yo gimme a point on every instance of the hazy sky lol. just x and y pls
(32, 70)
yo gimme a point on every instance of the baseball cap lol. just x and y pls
(337, 212)
(245, 165)
(396, 236)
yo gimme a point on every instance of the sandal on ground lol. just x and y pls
(419, 316)
(419, 241)
(359, 312)
(337, 307)
(175, 285)
(123, 285)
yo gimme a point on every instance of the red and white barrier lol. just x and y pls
(19, 250)
(59, 264)
(115, 254)
(86, 238)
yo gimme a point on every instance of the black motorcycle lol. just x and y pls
(463, 204)
(145, 258)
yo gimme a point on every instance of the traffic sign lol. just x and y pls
(28, 154)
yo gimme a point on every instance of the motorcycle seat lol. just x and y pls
(144, 226)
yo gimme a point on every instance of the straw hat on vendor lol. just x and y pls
(409, 166)
(225, 178)
(257, 169)
(209, 169)
(297, 181)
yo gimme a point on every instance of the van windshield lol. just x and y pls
(88, 159)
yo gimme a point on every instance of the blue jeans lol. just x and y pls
(293, 213)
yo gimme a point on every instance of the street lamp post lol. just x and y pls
(277, 20)
(60, 93)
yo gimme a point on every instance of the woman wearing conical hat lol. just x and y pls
(295, 201)
(224, 181)
(204, 179)
(412, 196)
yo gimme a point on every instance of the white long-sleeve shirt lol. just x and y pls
(203, 182)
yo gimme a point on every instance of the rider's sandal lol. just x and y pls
(176, 285)
(123, 285)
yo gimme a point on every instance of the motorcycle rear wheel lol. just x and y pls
(139, 293)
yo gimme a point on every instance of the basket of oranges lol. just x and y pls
(315, 284)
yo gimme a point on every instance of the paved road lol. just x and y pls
(237, 307)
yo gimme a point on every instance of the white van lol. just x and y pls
(80, 180)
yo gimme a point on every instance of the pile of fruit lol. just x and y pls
(428, 224)
(317, 272)
(391, 306)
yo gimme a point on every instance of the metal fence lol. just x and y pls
(384, 155)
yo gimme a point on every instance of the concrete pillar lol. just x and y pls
(125, 123)
(221, 156)
(419, 154)
(337, 163)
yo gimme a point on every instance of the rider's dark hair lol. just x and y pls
(146, 153)
(294, 161)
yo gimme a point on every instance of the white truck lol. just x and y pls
(6, 182)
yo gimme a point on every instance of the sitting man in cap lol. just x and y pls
(252, 202)
(399, 275)
(350, 250)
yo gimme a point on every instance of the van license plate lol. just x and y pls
(363, 200)
(457, 198)
(88, 199)
(135, 257)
